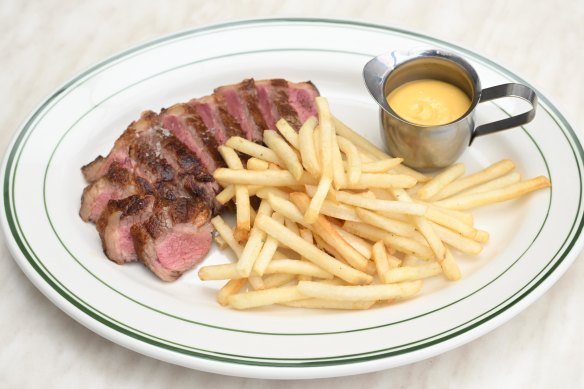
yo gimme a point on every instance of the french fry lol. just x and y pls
(463, 216)
(457, 241)
(436, 215)
(359, 292)
(381, 166)
(311, 213)
(230, 288)
(359, 244)
(219, 272)
(327, 133)
(265, 192)
(381, 205)
(329, 249)
(254, 243)
(329, 234)
(339, 211)
(382, 180)
(255, 281)
(423, 226)
(317, 147)
(286, 208)
(288, 133)
(311, 252)
(434, 241)
(381, 262)
(385, 223)
(292, 226)
(450, 267)
(464, 202)
(481, 236)
(440, 181)
(298, 267)
(498, 183)
(226, 194)
(276, 280)
(306, 146)
(353, 160)
(227, 234)
(400, 243)
(268, 250)
(253, 149)
(412, 273)
(285, 152)
(312, 303)
(489, 173)
(265, 297)
(339, 177)
(243, 213)
(257, 164)
(265, 178)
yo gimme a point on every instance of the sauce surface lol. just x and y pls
(428, 102)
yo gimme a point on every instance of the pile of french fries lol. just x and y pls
(340, 224)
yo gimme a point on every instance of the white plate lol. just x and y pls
(533, 240)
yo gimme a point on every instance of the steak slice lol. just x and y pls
(175, 238)
(115, 223)
(116, 184)
(302, 98)
(184, 122)
(119, 153)
(229, 97)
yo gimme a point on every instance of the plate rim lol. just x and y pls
(17, 249)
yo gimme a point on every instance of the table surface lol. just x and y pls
(44, 43)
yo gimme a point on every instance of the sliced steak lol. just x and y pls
(116, 184)
(153, 195)
(206, 107)
(248, 93)
(302, 98)
(184, 122)
(230, 98)
(115, 223)
(175, 238)
(119, 153)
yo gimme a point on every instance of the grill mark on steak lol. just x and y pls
(207, 110)
(285, 110)
(237, 108)
(231, 125)
(115, 223)
(175, 238)
(249, 95)
(176, 120)
(153, 195)
(117, 183)
(267, 108)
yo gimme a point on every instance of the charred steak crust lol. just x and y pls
(285, 109)
(153, 195)
(248, 92)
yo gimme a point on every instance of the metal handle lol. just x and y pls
(506, 90)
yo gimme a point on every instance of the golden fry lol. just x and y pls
(440, 181)
(513, 191)
(489, 173)
(285, 152)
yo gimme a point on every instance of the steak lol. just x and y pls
(153, 195)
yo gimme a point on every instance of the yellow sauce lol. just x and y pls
(428, 102)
